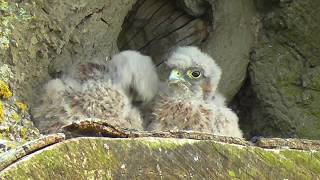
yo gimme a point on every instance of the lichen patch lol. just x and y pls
(22, 106)
(4, 90)
(10, 13)
(5, 72)
(1, 113)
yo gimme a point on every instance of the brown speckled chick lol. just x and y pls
(189, 101)
(99, 91)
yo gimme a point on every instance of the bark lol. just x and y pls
(281, 96)
(40, 39)
(151, 158)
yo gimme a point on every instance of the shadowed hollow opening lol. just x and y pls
(153, 27)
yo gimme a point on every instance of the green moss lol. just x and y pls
(85, 158)
(274, 160)
(266, 159)
(156, 143)
(305, 159)
(232, 174)
(3, 5)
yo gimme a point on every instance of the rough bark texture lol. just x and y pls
(104, 158)
(282, 94)
(40, 39)
(21, 150)
(45, 37)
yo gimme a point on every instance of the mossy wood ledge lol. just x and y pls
(168, 158)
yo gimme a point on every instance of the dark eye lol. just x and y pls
(196, 74)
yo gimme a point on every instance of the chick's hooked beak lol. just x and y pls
(176, 76)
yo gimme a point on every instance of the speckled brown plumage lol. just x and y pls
(187, 102)
(98, 91)
(95, 99)
(173, 113)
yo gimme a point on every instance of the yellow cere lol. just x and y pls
(22, 106)
(177, 72)
(176, 75)
(4, 90)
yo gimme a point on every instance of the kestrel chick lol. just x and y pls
(101, 91)
(188, 102)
